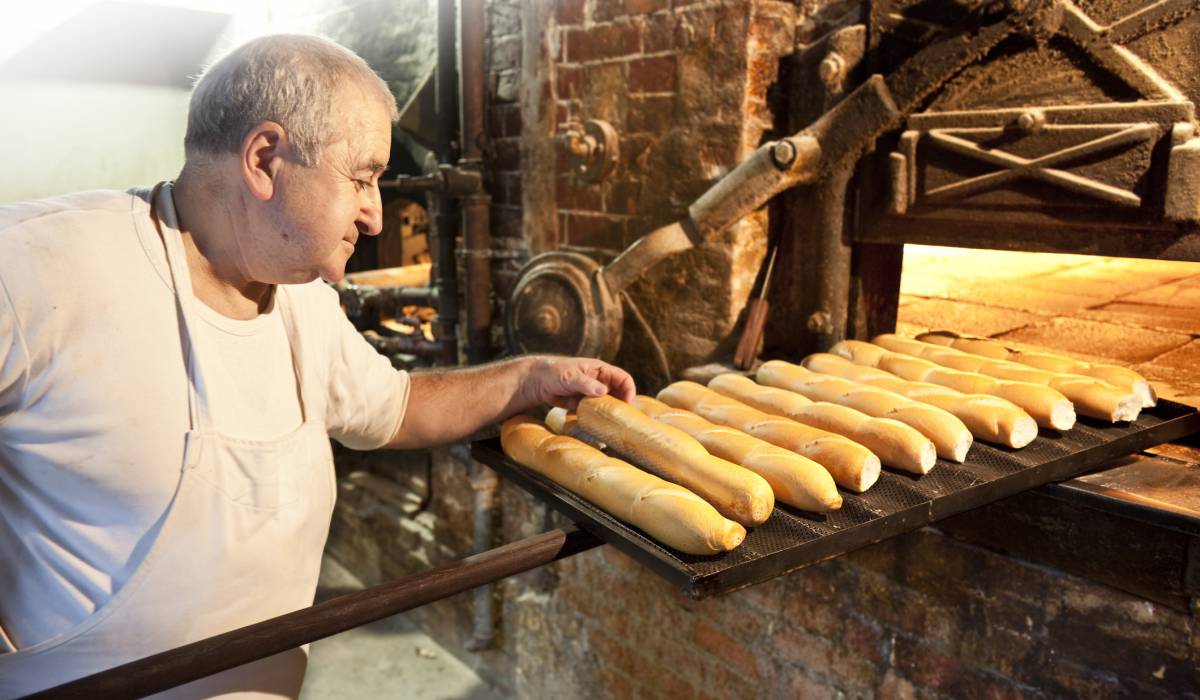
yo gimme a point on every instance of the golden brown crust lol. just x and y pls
(667, 512)
(850, 464)
(736, 492)
(795, 479)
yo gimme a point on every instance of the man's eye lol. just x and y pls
(361, 185)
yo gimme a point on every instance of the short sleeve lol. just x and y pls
(367, 396)
(14, 356)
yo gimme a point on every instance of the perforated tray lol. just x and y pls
(897, 503)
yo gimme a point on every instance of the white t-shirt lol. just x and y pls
(94, 403)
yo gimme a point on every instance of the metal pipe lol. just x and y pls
(187, 663)
(444, 219)
(404, 344)
(483, 484)
(477, 237)
(477, 245)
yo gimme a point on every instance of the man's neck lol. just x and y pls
(207, 227)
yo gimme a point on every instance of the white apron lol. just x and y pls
(240, 542)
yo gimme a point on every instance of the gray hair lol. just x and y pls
(289, 79)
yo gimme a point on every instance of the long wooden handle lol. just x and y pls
(756, 318)
(187, 663)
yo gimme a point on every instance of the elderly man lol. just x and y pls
(172, 368)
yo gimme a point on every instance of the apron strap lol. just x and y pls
(181, 282)
(198, 404)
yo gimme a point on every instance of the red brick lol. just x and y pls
(602, 42)
(927, 667)
(623, 197)
(656, 74)
(510, 188)
(727, 649)
(513, 122)
(577, 196)
(615, 684)
(658, 34)
(644, 7)
(570, 11)
(607, 10)
(594, 231)
(567, 81)
(650, 113)
(801, 685)
(863, 637)
(507, 154)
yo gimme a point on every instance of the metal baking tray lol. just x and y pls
(896, 504)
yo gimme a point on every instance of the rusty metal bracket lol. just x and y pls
(594, 148)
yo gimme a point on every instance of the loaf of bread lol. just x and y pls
(850, 464)
(1120, 377)
(1045, 405)
(989, 418)
(668, 513)
(796, 480)
(896, 444)
(949, 435)
(736, 492)
(1091, 397)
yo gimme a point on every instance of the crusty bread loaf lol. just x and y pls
(896, 444)
(850, 464)
(666, 512)
(1091, 397)
(989, 418)
(736, 492)
(1045, 405)
(1121, 377)
(796, 480)
(948, 434)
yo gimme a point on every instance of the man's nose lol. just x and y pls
(370, 213)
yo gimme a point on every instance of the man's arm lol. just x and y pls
(444, 406)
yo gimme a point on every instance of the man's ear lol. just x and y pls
(262, 156)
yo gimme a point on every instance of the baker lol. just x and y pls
(172, 367)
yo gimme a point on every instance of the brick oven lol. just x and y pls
(629, 174)
(608, 120)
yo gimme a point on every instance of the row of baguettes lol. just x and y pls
(1121, 377)
(740, 445)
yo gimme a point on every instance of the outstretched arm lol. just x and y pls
(448, 405)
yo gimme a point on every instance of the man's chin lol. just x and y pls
(333, 273)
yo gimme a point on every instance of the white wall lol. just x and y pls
(60, 137)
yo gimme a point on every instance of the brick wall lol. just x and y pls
(923, 615)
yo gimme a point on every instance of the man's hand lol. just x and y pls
(448, 405)
(564, 381)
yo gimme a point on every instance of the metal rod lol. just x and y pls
(241, 646)
(445, 220)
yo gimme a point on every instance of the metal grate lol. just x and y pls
(897, 503)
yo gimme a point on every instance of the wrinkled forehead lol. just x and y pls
(363, 120)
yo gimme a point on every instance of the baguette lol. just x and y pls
(1045, 405)
(949, 435)
(666, 512)
(1118, 376)
(896, 444)
(989, 418)
(1090, 396)
(796, 480)
(736, 492)
(850, 464)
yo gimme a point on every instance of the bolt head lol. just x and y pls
(783, 154)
